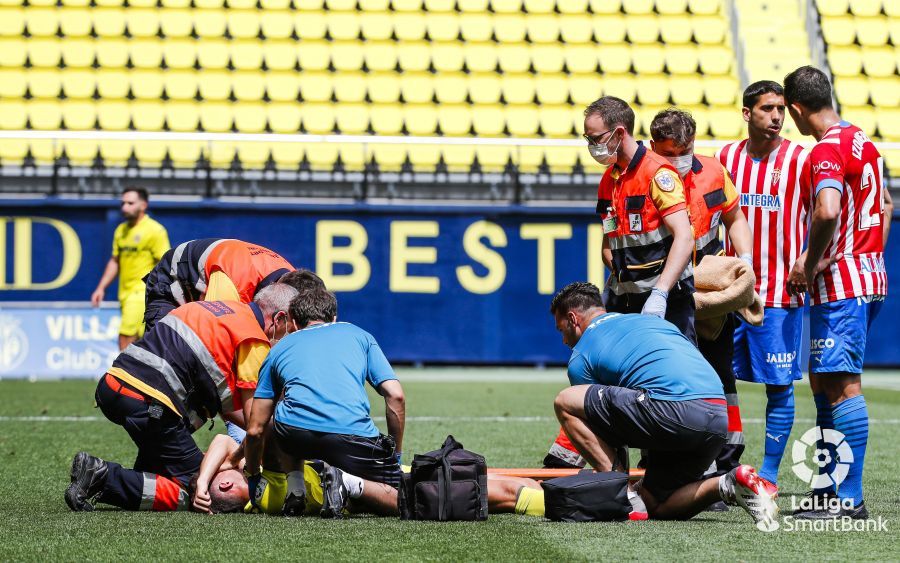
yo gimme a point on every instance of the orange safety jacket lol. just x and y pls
(704, 188)
(191, 357)
(249, 266)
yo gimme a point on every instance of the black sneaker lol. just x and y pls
(294, 505)
(335, 496)
(88, 476)
(812, 498)
(858, 512)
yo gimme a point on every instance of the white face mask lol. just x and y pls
(682, 163)
(603, 155)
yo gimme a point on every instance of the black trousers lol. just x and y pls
(720, 354)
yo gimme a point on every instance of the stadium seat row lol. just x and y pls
(697, 7)
(404, 26)
(860, 91)
(867, 31)
(858, 7)
(851, 61)
(352, 55)
(322, 118)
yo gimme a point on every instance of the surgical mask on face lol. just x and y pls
(682, 163)
(603, 154)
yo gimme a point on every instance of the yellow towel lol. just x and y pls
(724, 285)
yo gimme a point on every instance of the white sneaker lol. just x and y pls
(742, 486)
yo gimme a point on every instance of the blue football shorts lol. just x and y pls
(838, 331)
(770, 353)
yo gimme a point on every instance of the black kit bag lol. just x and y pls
(446, 484)
(587, 497)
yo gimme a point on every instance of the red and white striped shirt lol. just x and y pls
(846, 160)
(774, 196)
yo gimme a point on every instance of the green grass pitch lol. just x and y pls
(504, 414)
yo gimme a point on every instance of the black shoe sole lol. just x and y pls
(328, 511)
(73, 491)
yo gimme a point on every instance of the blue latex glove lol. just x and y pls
(656, 303)
(398, 455)
(252, 485)
(748, 258)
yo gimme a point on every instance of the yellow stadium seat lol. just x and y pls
(176, 23)
(248, 86)
(77, 3)
(521, 121)
(382, 87)
(112, 84)
(340, 5)
(310, 25)
(472, 5)
(313, 55)
(681, 60)
(41, 22)
(888, 123)
(721, 90)
(715, 59)
(287, 156)
(317, 118)
(885, 92)
(44, 114)
(879, 61)
(725, 123)
(44, 83)
(447, 57)
(506, 6)
(309, 5)
(12, 53)
(315, 86)
(580, 59)
(555, 121)
(79, 53)
(539, 6)
(652, 89)
(852, 90)
(552, 89)
(648, 59)
(458, 158)
(246, 55)
(676, 30)
(182, 3)
(390, 158)
(75, 23)
(450, 89)
(349, 87)
(872, 31)
(892, 9)
(382, 56)
(493, 158)
(347, 55)
(440, 5)
(145, 53)
(109, 22)
(709, 30)
(386, 119)
(619, 85)
(343, 26)
(483, 88)
(488, 120)
(352, 119)
(609, 28)
(146, 84)
(79, 115)
(866, 7)
(243, 24)
(584, 89)
(704, 7)
(863, 117)
(250, 118)
(142, 22)
(12, 83)
(454, 120)
(416, 88)
(642, 29)
(182, 116)
(115, 153)
(671, 7)
(409, 26)
(547, 58)
(602, 6)
(44, 151)
(838, 30)
(215, 85)
(638, 7)
(41, 52)
(476, 26)
(279, 55)
(686, 90)
(114, 115)
(442, 27)
(282, 86)
(76, 83)
(543, 29)
(12, 115)
(894, 28)
(179, 53)
(212, 54)
(374, 5)
(80, 152)
(354, 157)
(518, 88)
(480, 57)
(614, 58)
(845, 61)
(185, 154)
(513, 58)
(216, 117)
(833, 7)
(420, 119)
(321, 156)
(377, 26)
(529, 159)
(223, 154)
(272, 5)
(509, 28)
(576, 29)
(414, 56)
(148, 115)
(276, 25)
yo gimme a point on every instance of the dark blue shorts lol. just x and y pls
(682, 437)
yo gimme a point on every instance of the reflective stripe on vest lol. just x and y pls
(153, 361)
(642, 239)
(201, 265)
(644, 285)
(177, 290)
(205, 357)
(710, 236)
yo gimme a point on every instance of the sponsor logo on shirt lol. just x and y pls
(826, 166)
(770, 202)
(776, 175)
(871, 264)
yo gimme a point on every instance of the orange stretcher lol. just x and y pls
(540, 474)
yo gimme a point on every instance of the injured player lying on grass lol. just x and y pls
(291, 489)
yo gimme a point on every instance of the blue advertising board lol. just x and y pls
(448, 284)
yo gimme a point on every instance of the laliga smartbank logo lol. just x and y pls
(13, 343)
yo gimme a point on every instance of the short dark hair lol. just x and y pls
(302, 279)
(613, 111)
(808, 86)
(758, 88)
(313, 304)
(223, 503)
(576, 295)
(673, 123)
(142, 193)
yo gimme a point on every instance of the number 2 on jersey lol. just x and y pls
(870, 186)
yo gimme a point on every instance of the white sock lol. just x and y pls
(296, 484)
(354, 485)
(637, 503)
(726, 489)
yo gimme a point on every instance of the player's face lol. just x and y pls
(568, 328)
(232, 483)
(766, 117)
(670, 149)
(132, 206)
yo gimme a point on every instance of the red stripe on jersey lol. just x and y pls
(772, 194)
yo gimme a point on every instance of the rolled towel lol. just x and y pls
(724, 285)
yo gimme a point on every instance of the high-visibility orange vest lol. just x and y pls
(705, 194)
(249, 266)
(640, 241)
(190, 356)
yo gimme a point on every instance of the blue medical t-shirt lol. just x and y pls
(323, 370)
(642, 352)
